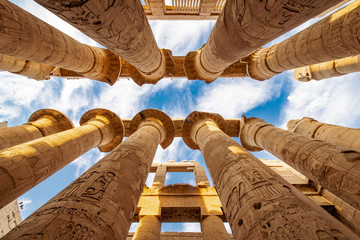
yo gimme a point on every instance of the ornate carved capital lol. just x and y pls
(248, 130)
(306, 126)
(110, 137)
(158, 119)
(194, 121)
(56, 121)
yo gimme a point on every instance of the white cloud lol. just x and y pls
(133, 227)
(334, 101)
(191, 227)
(231, 98)
(227, 226)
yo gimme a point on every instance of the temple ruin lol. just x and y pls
(311, 192)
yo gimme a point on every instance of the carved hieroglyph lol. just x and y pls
(101, 203)
(334, 37)
(121, 26)
(27, 37)
(348, 138)
(328, 69)
(213, 228)
(334, 168)
(25, 165)
(244, 26)
(42, 123)
(257, 202)
(149, 228)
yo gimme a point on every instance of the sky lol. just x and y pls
(277, 100)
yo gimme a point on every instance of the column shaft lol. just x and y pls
(330, 166)
(149, 228)
(332, 38)
(101, 203)
(213, 228)
(344, 137)
(257, 202)
(120, 26)
(27, 37)
(42, 123)
(26, 165)
(243, 27)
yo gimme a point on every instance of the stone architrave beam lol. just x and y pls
(101, 203)
(26, 68)
(41, 123)
(26, 37)
(328, 69)
(330, 166)
(257, 202)
(345, 137)
(243, 27)
(334, 37)
(149, 228)
(213, 228)
(26, 165)
(123, 28)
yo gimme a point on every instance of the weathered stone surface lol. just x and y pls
(258, 203)
(213, 228)
(101, 203)
(121, 26)
(10, 217)
(149, 228)
(25, 165)
(348, 138)
(334, 37)
(27, 37)
(330, 166)
(42, 123)
(243, 27)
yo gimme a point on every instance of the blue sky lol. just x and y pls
(276, 100)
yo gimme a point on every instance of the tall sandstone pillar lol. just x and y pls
(243, 27)
(101, 203)
(334, 37)
(213, 228)
(332, 167)
(348, 138)
(26, 37)
(122, 27)
(26, 165)
(41, 123)
(149, 228)
(257, 202)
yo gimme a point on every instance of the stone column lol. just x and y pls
(257, 202)
(149, 228)
(334, 37)
(26, 68)
(345, 137)
(122, 27)
(26, 165)
(26, 37)
(160, 176)
(41, 123)
(243, 27)
(332, 167)
(333, 68)
(200, 176)
(101, 203)
(213, 228)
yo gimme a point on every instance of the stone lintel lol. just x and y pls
(191, 122)
(114, 137)
(155, 116)
(58, 121)
(248, 130)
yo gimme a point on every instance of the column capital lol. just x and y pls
(248, 130)
(157, 116)
(58, 121)
(195, 70)
(115, 123)
(307, 125)
(195, 118)
(167, 66)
